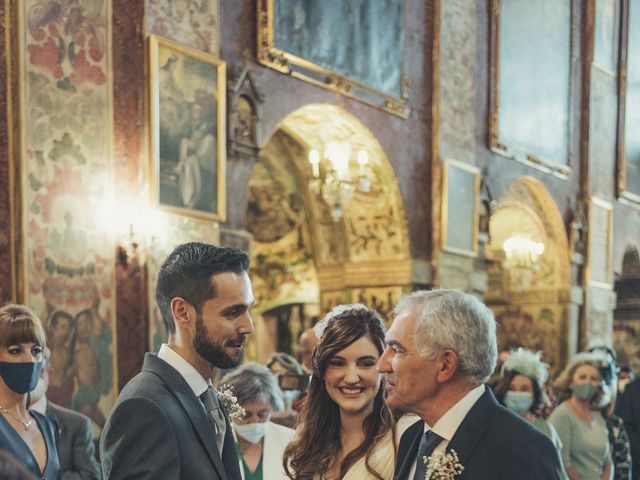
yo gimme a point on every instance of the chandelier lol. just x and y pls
(521, 251)
(332, 177)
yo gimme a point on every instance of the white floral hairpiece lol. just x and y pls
(321, 326)
(443, 466)
(527, 363)
(229, 402)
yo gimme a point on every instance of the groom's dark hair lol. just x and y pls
(187, 271)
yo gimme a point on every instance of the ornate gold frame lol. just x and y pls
(475, 172)
(302, 69)
(519, 155)
(630, 198)
(593, 204)
(154, 161)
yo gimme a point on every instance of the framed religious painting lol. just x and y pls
(600, 243)
(530, 114)
(460, 190)
(187, 122)
(353, 47)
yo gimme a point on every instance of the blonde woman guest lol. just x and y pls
(586, 453)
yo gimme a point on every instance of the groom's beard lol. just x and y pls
(212, 352)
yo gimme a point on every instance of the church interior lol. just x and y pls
(357, 150)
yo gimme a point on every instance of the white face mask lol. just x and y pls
(251, 432)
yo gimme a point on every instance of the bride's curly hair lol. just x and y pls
(317, 443)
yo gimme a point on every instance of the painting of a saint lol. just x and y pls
(188, 130)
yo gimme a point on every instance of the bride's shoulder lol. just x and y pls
(405, 421)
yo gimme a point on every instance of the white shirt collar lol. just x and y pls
(448, 424)
(198, 384)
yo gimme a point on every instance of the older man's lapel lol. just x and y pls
(408, 449)
(473, 426)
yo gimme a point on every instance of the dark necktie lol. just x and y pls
(211, 405)
(430, 440)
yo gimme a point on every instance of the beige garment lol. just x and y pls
(382, 459)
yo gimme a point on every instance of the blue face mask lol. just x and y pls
(585, 391)
(518, 402)
(20, 377)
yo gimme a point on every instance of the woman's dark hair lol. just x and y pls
(502, 387)
(187, 272)
(19, 324)
(318, 443)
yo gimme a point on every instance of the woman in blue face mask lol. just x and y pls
(29, 436)
(259, 442)
(583, 430)
(521, 389)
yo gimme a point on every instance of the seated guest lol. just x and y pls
(586, 452)
(521, 389)
(345, 429)
(75, 446)
(260, 443)
(282, 364)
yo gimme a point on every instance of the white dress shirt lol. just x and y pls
(448, 424)
(198, 384)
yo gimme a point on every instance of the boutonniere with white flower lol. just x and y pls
(443, 466)
(229, 402)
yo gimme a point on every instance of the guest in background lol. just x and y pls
(521, 389)
(346, 431)
(75, 446)
(29, 436)
(605, 403)
(586, 452)
(630, 411)
(282, 364)
(308, 342)
(260, 442)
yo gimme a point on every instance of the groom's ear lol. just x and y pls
(183, 313)
(447, 366)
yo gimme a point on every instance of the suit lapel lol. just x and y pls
(473, 426)
(408, 449)
(192, 406)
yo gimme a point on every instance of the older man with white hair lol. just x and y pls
(440, 350)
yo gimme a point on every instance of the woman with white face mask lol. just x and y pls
(586, 452)
(521, 389)
(30, 437)
(260, 442)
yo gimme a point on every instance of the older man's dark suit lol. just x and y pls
(159, 430)
(75, 446)
(492, 444)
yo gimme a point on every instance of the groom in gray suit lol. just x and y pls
(440, 350)
(167, 422)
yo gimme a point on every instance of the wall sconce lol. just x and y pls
(331, 176)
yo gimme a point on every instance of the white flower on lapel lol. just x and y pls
(443, 466)
(229, 402)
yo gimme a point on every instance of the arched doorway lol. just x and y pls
(303, 261)
(626, 316)
(529, 279)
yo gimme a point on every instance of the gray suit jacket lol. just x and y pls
(159, 430)
(75, 446)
